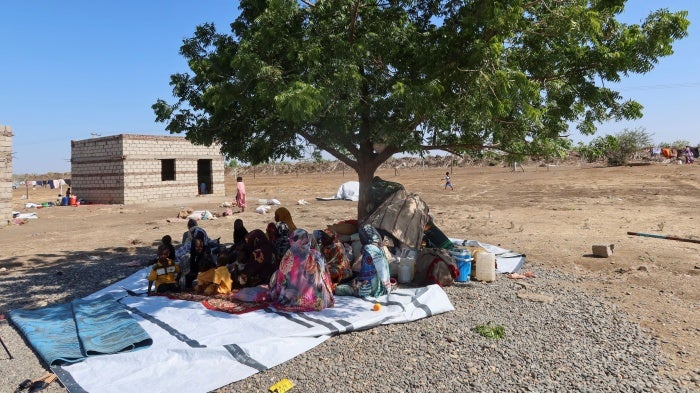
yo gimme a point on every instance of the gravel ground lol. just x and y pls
(557, 339)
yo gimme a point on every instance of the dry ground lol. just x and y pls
(552, 214)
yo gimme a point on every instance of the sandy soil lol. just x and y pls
(552, 214)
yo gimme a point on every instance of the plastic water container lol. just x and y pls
(404, 274)
(407, 268)
(463, 259)
(485, 267)
(64, 201)
(73, 200)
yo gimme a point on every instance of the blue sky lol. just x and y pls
(74, 68)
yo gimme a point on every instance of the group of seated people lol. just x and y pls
(303, 270)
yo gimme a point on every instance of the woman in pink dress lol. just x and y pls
(240, 193)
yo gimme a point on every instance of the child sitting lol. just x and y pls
(165, 273)
(213, 281)
(167, 241)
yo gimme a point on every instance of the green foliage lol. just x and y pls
(410, 76)
(679, 144)
(629, 142)
(634, 140)
(496, 332)
(317, 156)
(233, 163)
(616, 149)
(592, 152)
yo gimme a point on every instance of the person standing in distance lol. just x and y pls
(240, 193)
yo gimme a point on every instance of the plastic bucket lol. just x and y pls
(64, 201)
(463, 259)
(73, 200)
(465, 270)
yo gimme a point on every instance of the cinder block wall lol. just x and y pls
(97, 169)
(133, 168)
(5, 174)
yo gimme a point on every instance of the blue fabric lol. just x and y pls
(69, 332)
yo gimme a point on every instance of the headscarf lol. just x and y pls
(369, 235)
(271, 232)
(333, 251)
(282, 241)
(282, 214)
(239, 231)
(302, 244)
(191, 223)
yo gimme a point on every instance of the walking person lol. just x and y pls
(448, 181)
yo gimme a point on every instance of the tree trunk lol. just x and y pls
(365, 173)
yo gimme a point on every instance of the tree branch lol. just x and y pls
(331, 150)
(353, 21)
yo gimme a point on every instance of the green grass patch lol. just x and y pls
(496, 332)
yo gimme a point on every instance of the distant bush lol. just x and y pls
(680, 144)
(616, 149)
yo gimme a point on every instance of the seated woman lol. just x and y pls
(239, 232)
(214, 280)
(271, 232)
(333, 251)
(302, 283)
(283, 215)
(255, 262)
(281, 243)
(373, 279)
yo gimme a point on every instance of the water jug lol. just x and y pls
(404, 274)
(485, 267)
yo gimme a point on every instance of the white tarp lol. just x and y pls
(348, 191)
(193, 345)
(507, 261)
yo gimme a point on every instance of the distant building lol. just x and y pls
(5, 174)
(125, 168)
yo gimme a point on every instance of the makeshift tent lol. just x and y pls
(403, 216)
(379, 191)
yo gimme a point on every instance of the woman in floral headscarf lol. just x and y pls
(333, 251)
(373, 279)
(302, 283)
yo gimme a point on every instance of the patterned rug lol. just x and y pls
(228, 303)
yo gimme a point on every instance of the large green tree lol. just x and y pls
(363, 80)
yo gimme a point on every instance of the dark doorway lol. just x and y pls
(204, 177)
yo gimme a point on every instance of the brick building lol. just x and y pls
(128, 168)
(5, 174)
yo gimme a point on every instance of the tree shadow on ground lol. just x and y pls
(47, 278)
